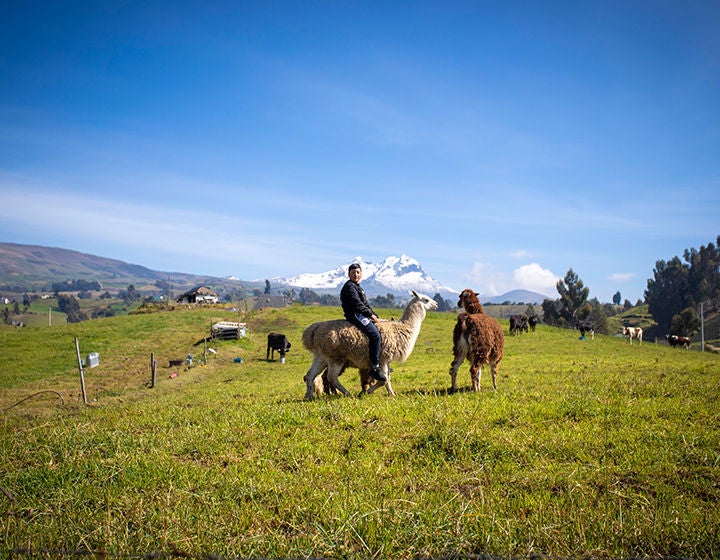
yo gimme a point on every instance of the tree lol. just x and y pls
(443, 304)
(26, 301)
(668, 292)
(103, 312)
(267, 286)
(617, 298)
(598, 317)
(551, 314)
(573, 298)
(610, 309)
(704, 271)
(386, 301)
(130, 295)
(685, 323)
(70, 306)
(308, 297)
(329, 300)
(675, 285)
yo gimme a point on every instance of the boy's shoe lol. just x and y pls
(377, 374)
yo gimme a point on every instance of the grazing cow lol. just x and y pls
(632, 332)
(518, 323)
(279, 342)
(533, 320)
(587, 328)
(676, 340)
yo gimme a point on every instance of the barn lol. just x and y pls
(201, 294)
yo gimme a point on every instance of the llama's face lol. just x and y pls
(465, 295)
(426, 301)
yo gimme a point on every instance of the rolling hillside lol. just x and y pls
(30, 268)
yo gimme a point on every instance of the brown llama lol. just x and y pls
(478, 338)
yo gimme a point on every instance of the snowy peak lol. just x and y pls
(394, 275)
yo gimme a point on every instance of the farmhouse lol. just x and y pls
(201, 294)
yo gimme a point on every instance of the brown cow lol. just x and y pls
(676, 340)
(633, 332)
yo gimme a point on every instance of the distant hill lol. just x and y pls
(516, 296)
(32, 268)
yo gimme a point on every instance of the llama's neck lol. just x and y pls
(473, 307)
(412, 318)
(414, 314)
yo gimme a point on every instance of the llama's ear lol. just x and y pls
(477, 295)
(414, 294)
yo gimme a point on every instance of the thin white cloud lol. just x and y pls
(487, 280)
(536, 278)
(622, 276)
(192, 234)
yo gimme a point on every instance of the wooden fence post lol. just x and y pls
(153, 369)
(80, 367)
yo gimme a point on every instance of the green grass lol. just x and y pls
(587, 448)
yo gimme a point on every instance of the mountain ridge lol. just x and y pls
(397, 276)
(35, 267)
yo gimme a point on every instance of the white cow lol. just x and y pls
(633, 332)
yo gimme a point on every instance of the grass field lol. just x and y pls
(590, 448)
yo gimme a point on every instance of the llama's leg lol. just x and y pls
(333, 372)
(389, 387)
(386, 371)
(461, 347)
(317, 366)
(494, 370)
(365, 381)
(460, 354)
(329, 388)
(475, 373)
(322, 385)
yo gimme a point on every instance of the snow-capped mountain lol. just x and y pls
(394, 275)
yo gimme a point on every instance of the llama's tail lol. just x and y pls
(308, 336)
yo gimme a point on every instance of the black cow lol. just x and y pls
(518, 323)
(587, 328)
(533, 320)
(279, 342)
(676, 340)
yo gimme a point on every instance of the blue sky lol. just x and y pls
(498, 143)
